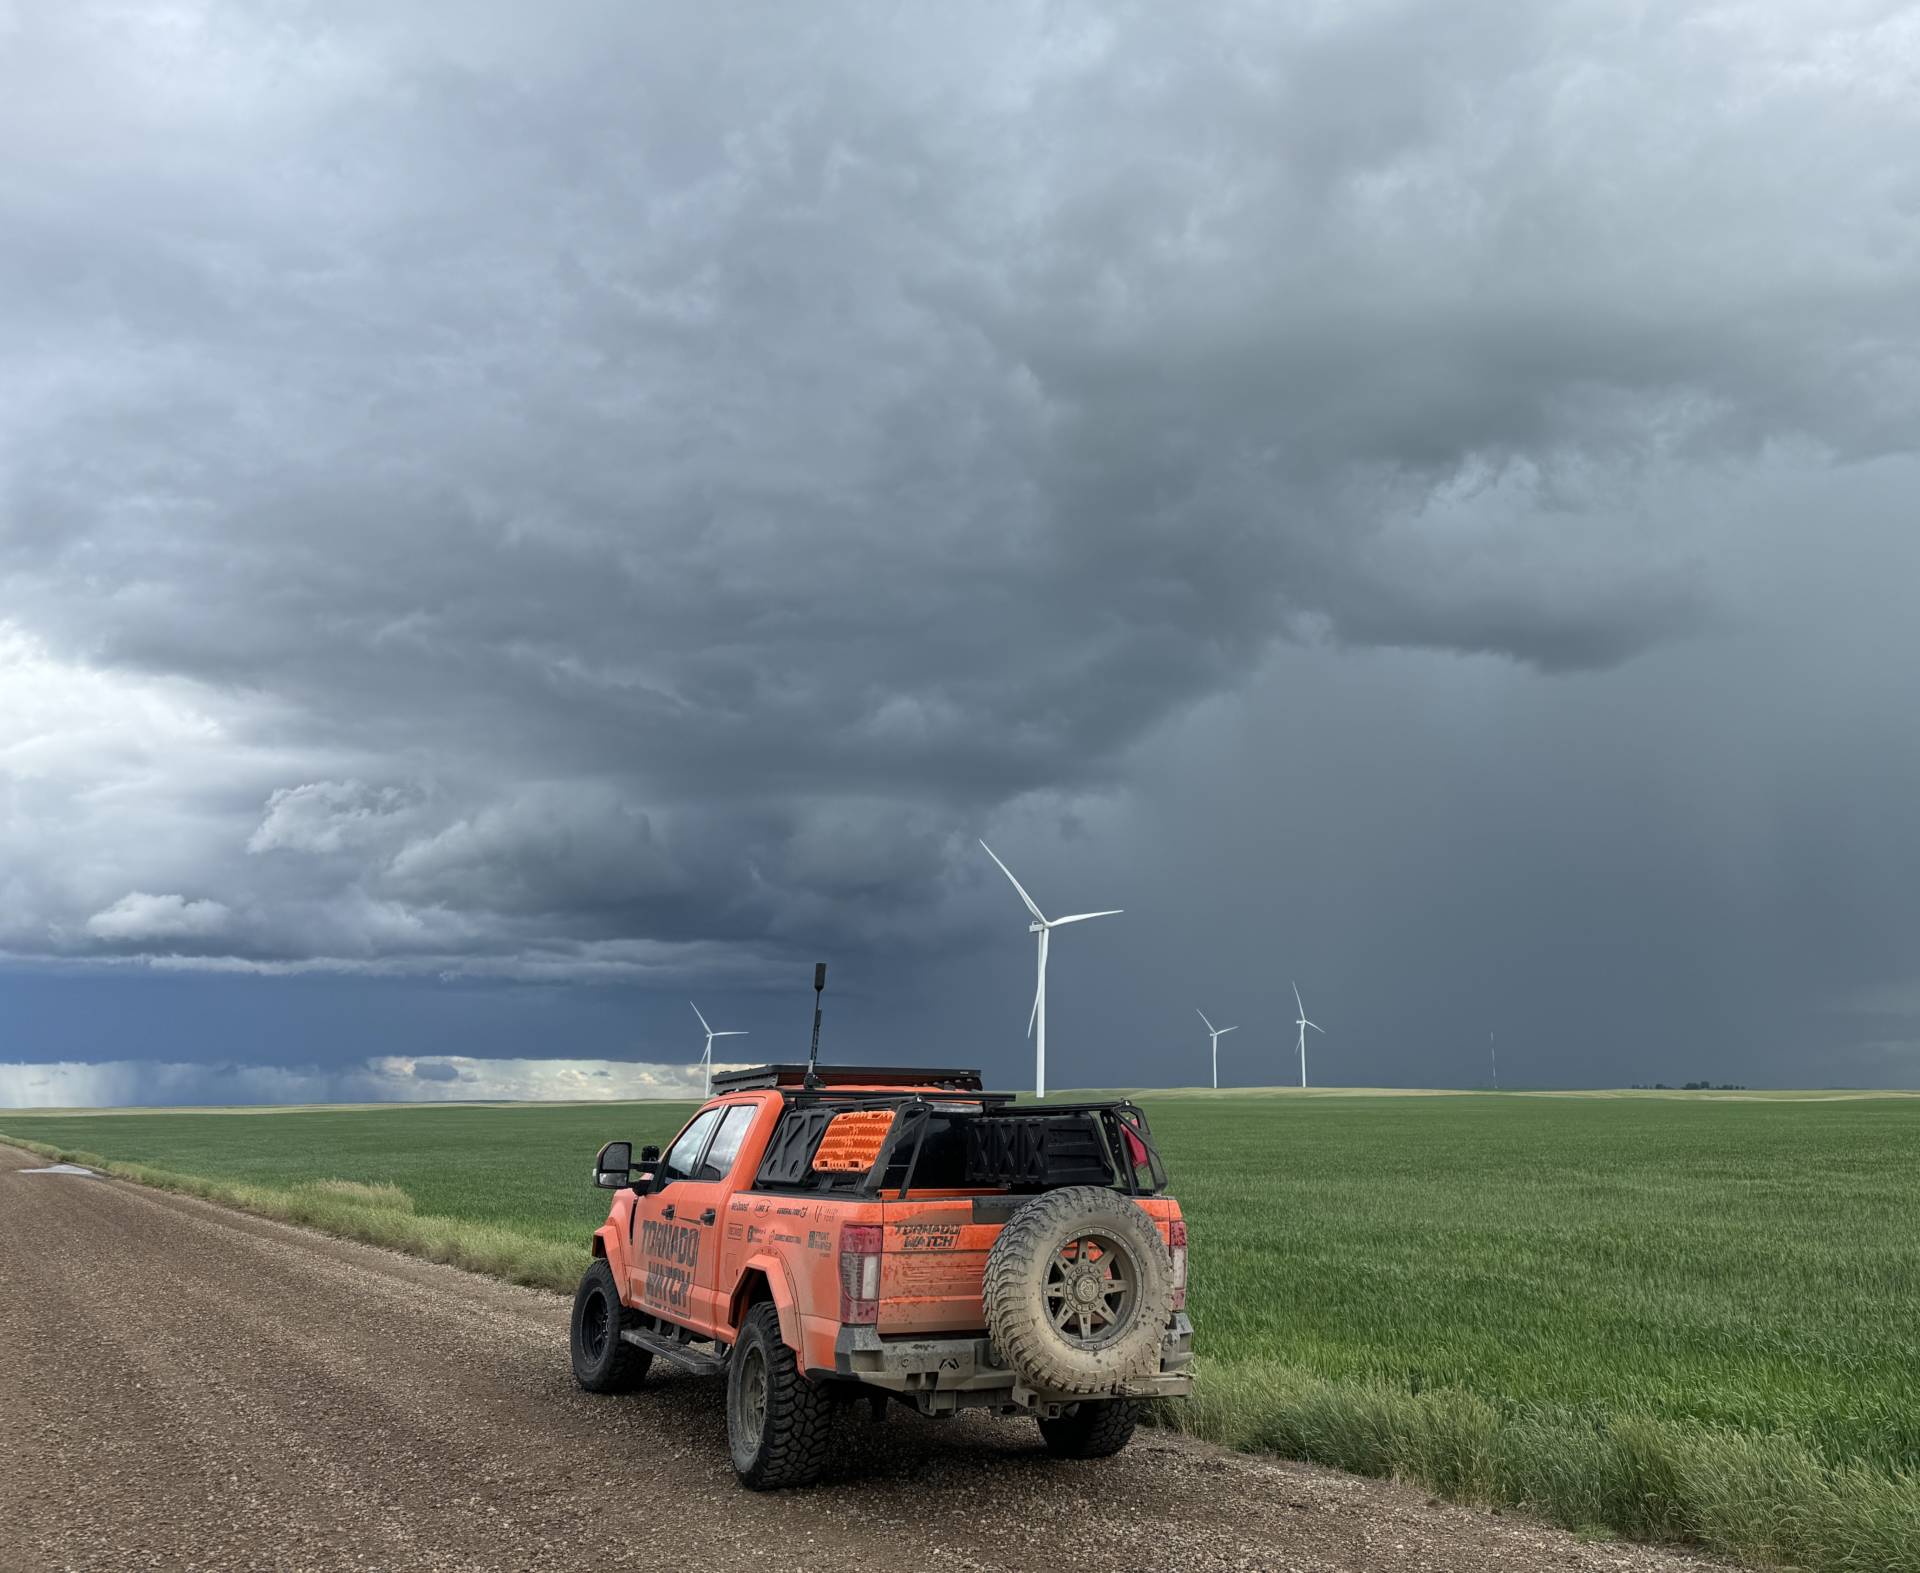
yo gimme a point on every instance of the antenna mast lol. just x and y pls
(813, 1054)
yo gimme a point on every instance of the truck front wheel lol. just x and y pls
(779, 1425)
(1096, 1429)
(603, 1361)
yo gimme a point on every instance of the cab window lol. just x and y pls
(718, 1162)
(685, 1153)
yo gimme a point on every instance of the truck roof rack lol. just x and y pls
(848, 1076)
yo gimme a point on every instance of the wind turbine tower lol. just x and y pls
(1303, 1024)
(706, 1059)
(1216, 1033)
(1041, 927)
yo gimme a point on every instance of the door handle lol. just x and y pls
(667, 1211)
(708, 1216)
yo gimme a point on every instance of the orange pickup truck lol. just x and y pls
(891, 1233)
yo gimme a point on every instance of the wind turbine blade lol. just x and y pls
(1014, 882)
(736, 1032)
(1203, 1016)
(1081, 917)
(1225, 1030)
(1296, 999)
(1315, 1025)
(703, 1019)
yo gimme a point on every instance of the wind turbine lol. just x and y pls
(706, 1059)
(1216, 1033)
(1042, 925)
(1303, 1024)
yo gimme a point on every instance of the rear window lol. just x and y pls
(718, 1163)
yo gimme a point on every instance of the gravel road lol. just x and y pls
(186, 1387)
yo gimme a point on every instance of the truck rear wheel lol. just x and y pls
(1079, 1289)
(1099, 1428)
(603, 1362)
(779, 1425)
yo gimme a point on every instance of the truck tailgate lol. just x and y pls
(934, 1258)
(931, 1266)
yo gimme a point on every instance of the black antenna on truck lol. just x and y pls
(813, 1054)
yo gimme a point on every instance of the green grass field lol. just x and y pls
(1666, 1317)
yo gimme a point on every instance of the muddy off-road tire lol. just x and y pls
(779, 1425)
(603, 1362)
(1078, 1291)
(1099, 1428)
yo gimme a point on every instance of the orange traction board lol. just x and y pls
(852, 1141)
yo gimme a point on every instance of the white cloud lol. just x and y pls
(115, 783)
(332, 816)
(139, 916)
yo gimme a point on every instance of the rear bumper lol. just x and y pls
(955, 1373)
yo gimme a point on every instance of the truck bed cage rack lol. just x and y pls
(795, 1076)
(1021, 1148)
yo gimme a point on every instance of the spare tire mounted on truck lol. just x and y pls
(1079, 1291)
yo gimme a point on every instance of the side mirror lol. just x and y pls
(612, 1164)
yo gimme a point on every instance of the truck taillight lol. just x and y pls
(860, 1272)
(1177, 1243)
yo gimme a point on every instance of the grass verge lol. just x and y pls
(1763, 1499)
(376, 1214)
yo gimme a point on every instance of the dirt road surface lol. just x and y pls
(186, 1387)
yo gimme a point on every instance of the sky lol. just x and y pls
(513, 519)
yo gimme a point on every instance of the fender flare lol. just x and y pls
(610, 1243)
(780, 1284)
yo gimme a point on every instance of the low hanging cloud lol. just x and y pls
(630, 499)
(383, 1079)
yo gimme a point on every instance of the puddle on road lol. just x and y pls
(63, 1168)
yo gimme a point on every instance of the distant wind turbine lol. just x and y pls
(1042, 925)
(1216, 1033)
(1303, 1024)
(706, 1059)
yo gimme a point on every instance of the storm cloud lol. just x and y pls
(625, 497)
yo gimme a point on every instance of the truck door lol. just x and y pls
(678, 1225)
(667, 1246)
(725, 1171)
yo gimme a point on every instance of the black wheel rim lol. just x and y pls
(596, 1325)
(750, 1396)
(1092, 1285)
